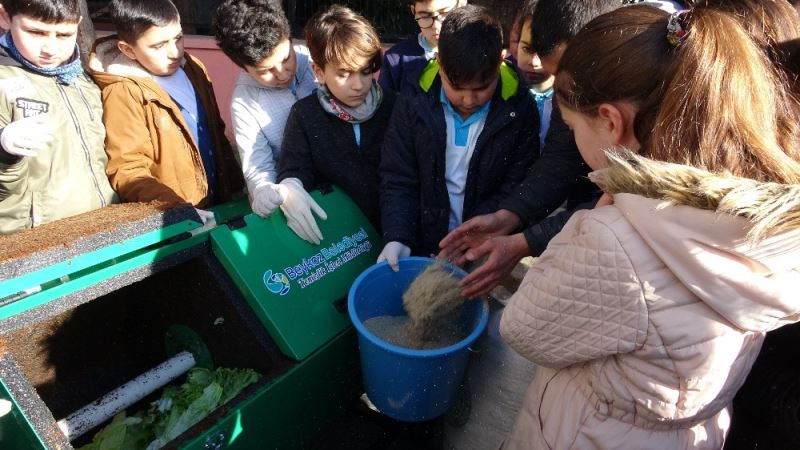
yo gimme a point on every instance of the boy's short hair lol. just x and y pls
(470, 45)
(557, 21)
(48, 11)
(132, 18)
(338, 35)
(248, 31)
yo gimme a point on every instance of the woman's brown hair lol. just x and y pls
(714, 101)
(339, 35)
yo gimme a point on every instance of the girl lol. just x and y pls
(336, 135)
(646, 315)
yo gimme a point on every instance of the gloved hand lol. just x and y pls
(297, 206)
(26, 137)
(392, 252)
(267, 197)
(206, 216)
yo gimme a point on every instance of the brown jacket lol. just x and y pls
(152, 154)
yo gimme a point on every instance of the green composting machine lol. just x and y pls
(100, 311)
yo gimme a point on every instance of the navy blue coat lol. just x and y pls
(415, 206)
(320, 149)
(402, 64)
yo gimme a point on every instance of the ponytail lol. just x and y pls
(724, 108)
(714, 101)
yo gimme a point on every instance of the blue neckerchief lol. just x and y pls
(462, 125)
(66, 73)
(541, 98)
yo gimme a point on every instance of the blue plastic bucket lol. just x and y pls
(407, 384)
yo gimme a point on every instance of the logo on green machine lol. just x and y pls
(277, 283)
(309, 270)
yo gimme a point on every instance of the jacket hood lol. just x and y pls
(108, 65)
(734, 242)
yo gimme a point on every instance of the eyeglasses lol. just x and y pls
(427, 21)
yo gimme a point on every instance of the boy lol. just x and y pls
(458, 142)
(403, 62)
(165, 138)
(52, 162)
(336, 135)
(539, 81)
(275, 75)
(559, 175)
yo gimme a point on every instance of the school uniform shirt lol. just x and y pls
(415, 201)
(462, 135)
(259, 116)
(321, 149)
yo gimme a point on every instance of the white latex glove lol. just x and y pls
(26, 137)
(206, 216)
(266, 198)
(298, 206)
(392, 252)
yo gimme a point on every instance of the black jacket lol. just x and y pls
(415, 206)
(558, 175)
(321, 149)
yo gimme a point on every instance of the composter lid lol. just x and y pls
(53, 260)
(299, 290)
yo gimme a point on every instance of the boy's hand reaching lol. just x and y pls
(266, 198)
(27, 137)
(298, 206)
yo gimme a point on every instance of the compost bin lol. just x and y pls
(93, 301)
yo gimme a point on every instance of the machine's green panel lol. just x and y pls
(298, 290)
(15, 430)
(88, 260)
(290, 412)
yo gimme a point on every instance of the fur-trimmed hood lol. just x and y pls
(734, 242)
(108, 64)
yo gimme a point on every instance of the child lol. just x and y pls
(403, 62)
(52, 163)
(275, 75)
(458, 142)
(165, 140)
(556, 177)
(539, 81)
(646, 315)
(336, 135)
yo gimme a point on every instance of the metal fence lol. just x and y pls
(391, 18)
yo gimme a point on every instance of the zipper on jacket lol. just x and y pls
(85, 102)
(84, 145)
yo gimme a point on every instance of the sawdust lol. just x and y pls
(432, 302)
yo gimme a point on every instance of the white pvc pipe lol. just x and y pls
(107, 406)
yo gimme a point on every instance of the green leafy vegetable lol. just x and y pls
(178, 408)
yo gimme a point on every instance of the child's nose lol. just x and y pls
(174, 52)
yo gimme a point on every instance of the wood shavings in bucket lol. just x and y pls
(432, 302)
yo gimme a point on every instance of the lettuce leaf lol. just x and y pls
(177, 410)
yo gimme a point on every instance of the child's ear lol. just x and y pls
(318, 72)
(126, 49)
(5, 19)
(613, 119)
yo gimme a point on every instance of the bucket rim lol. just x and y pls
(410, 352)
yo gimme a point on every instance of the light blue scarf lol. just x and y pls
(66, 73)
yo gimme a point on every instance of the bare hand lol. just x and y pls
(502, 254)
(474, 232)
